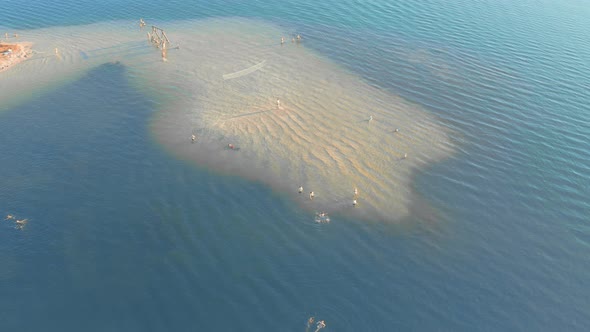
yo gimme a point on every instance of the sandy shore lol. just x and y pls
(13, 53)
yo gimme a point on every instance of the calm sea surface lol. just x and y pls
(124, 237)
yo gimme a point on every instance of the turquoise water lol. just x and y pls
(122, 236)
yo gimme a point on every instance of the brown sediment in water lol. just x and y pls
(14, 53)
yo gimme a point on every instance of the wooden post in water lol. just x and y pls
(164, 52)
(165, 37)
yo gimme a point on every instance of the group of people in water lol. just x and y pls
(311, 193)
(320, 325)
(322, 217)
(292, 39)
(230, 146)
(19, 223)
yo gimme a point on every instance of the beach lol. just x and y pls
(13, 53)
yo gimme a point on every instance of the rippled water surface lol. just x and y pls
(123, 235)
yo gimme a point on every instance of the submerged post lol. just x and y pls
(164, 52)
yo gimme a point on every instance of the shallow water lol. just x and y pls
(297, 119)
(124, 235)
(318, 136)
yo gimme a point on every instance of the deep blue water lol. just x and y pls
(124, 237)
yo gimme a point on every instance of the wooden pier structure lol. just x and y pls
(159, 39)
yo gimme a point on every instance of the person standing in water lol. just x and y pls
(311, 195)
(300, 189)
(278, 104)
(193, 138)
(282, 40)
(309, 323)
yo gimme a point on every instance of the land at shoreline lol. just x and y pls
(13, 53)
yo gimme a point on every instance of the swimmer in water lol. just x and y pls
(20, 224)
(298, 37)
(321, 325)
(405, 155)
(300, 189)
(397, 130)
(311, 195)
(9, 216)
(309, 323)
(193, 138)
(231, 146)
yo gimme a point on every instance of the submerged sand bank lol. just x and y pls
(320, 137)
(223, 84)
